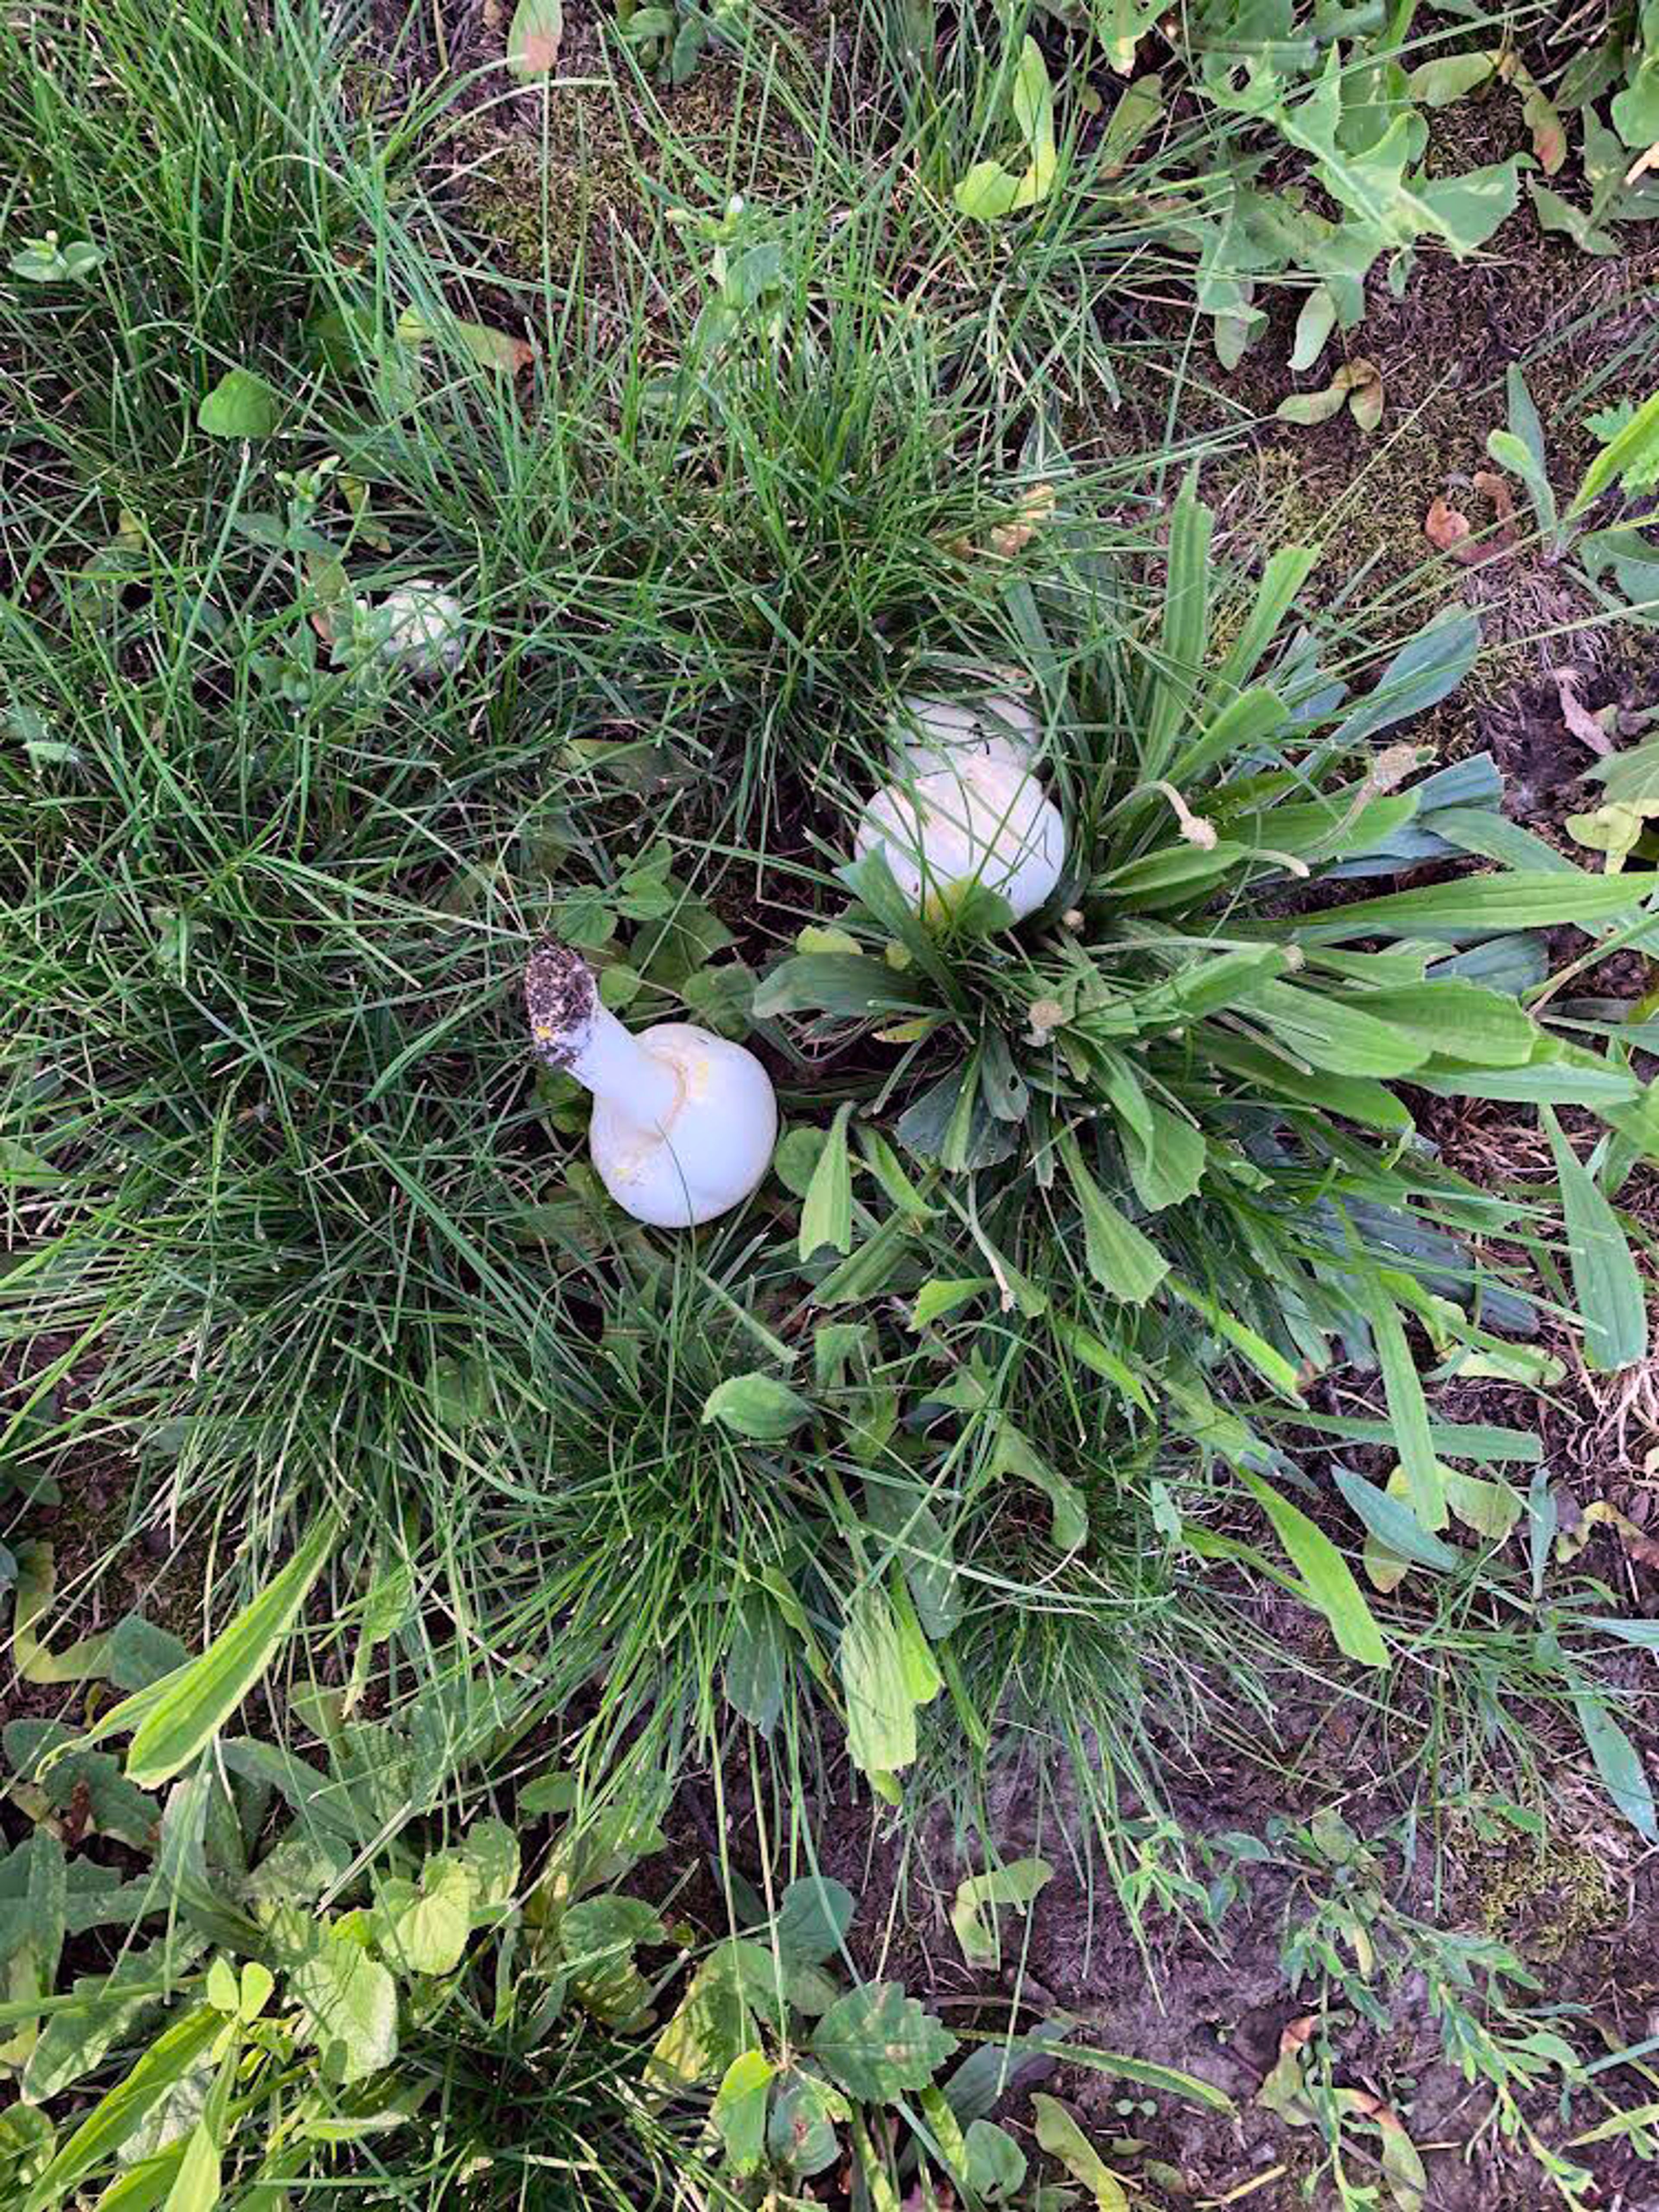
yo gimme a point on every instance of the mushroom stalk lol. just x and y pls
(617, 1067)
(683, 1121)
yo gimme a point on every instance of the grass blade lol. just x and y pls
(181, 1714)
(1325, 1573)
(1605, 1280)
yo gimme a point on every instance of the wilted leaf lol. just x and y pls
(1614, 829)
(535, 35)
(1574, 713)
(1403, 2167)
(1490, 1508)
(1539, 113)
(1437, 83)
(1313, 325)
(1450, 530)
(1035, 508)
(1016, 1884)
(1364, 384)
(1061, 2137)
(1284, 2092)
(480, 342)
(1307, 407)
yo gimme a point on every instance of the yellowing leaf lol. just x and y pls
(1016, 1884)
(537, 34)
(490, 348)
(1613, 830)
(1491, 1509)
(1061, 2137)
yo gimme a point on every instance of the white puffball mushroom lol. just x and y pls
(965, 807)
(419, 627)
(931, 733)
(685, 1122)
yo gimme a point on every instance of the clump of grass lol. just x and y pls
(281, 1161)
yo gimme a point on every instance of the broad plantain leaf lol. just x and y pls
(876, 2044)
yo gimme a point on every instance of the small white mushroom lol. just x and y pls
(930, 733)
(965, 807)
(683, 1121)
(419, 627)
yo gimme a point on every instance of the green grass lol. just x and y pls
(292, 1215)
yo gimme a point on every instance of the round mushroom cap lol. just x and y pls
(931, 733)
(978, 820)
(712, 1151)
(420, 627)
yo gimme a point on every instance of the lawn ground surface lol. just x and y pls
(727, 429)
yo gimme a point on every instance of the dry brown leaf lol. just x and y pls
(1033, 510)
(1640, 166)
(1005, 539)
(1575, 714)
(1363, 381)
(1450, 529)
(1445, 527)
(78, 1818)
(1638, 1543)
(1496, 489)
(1578, 1524)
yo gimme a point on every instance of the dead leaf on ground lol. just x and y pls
(1031, 511)
(1638, 1544)
(1575, 713)
(1358, 383)
(1578, 1523)
(1449, 528)
(1496, 489)
(1640, 166)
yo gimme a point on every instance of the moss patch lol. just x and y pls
(1544, 1901)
